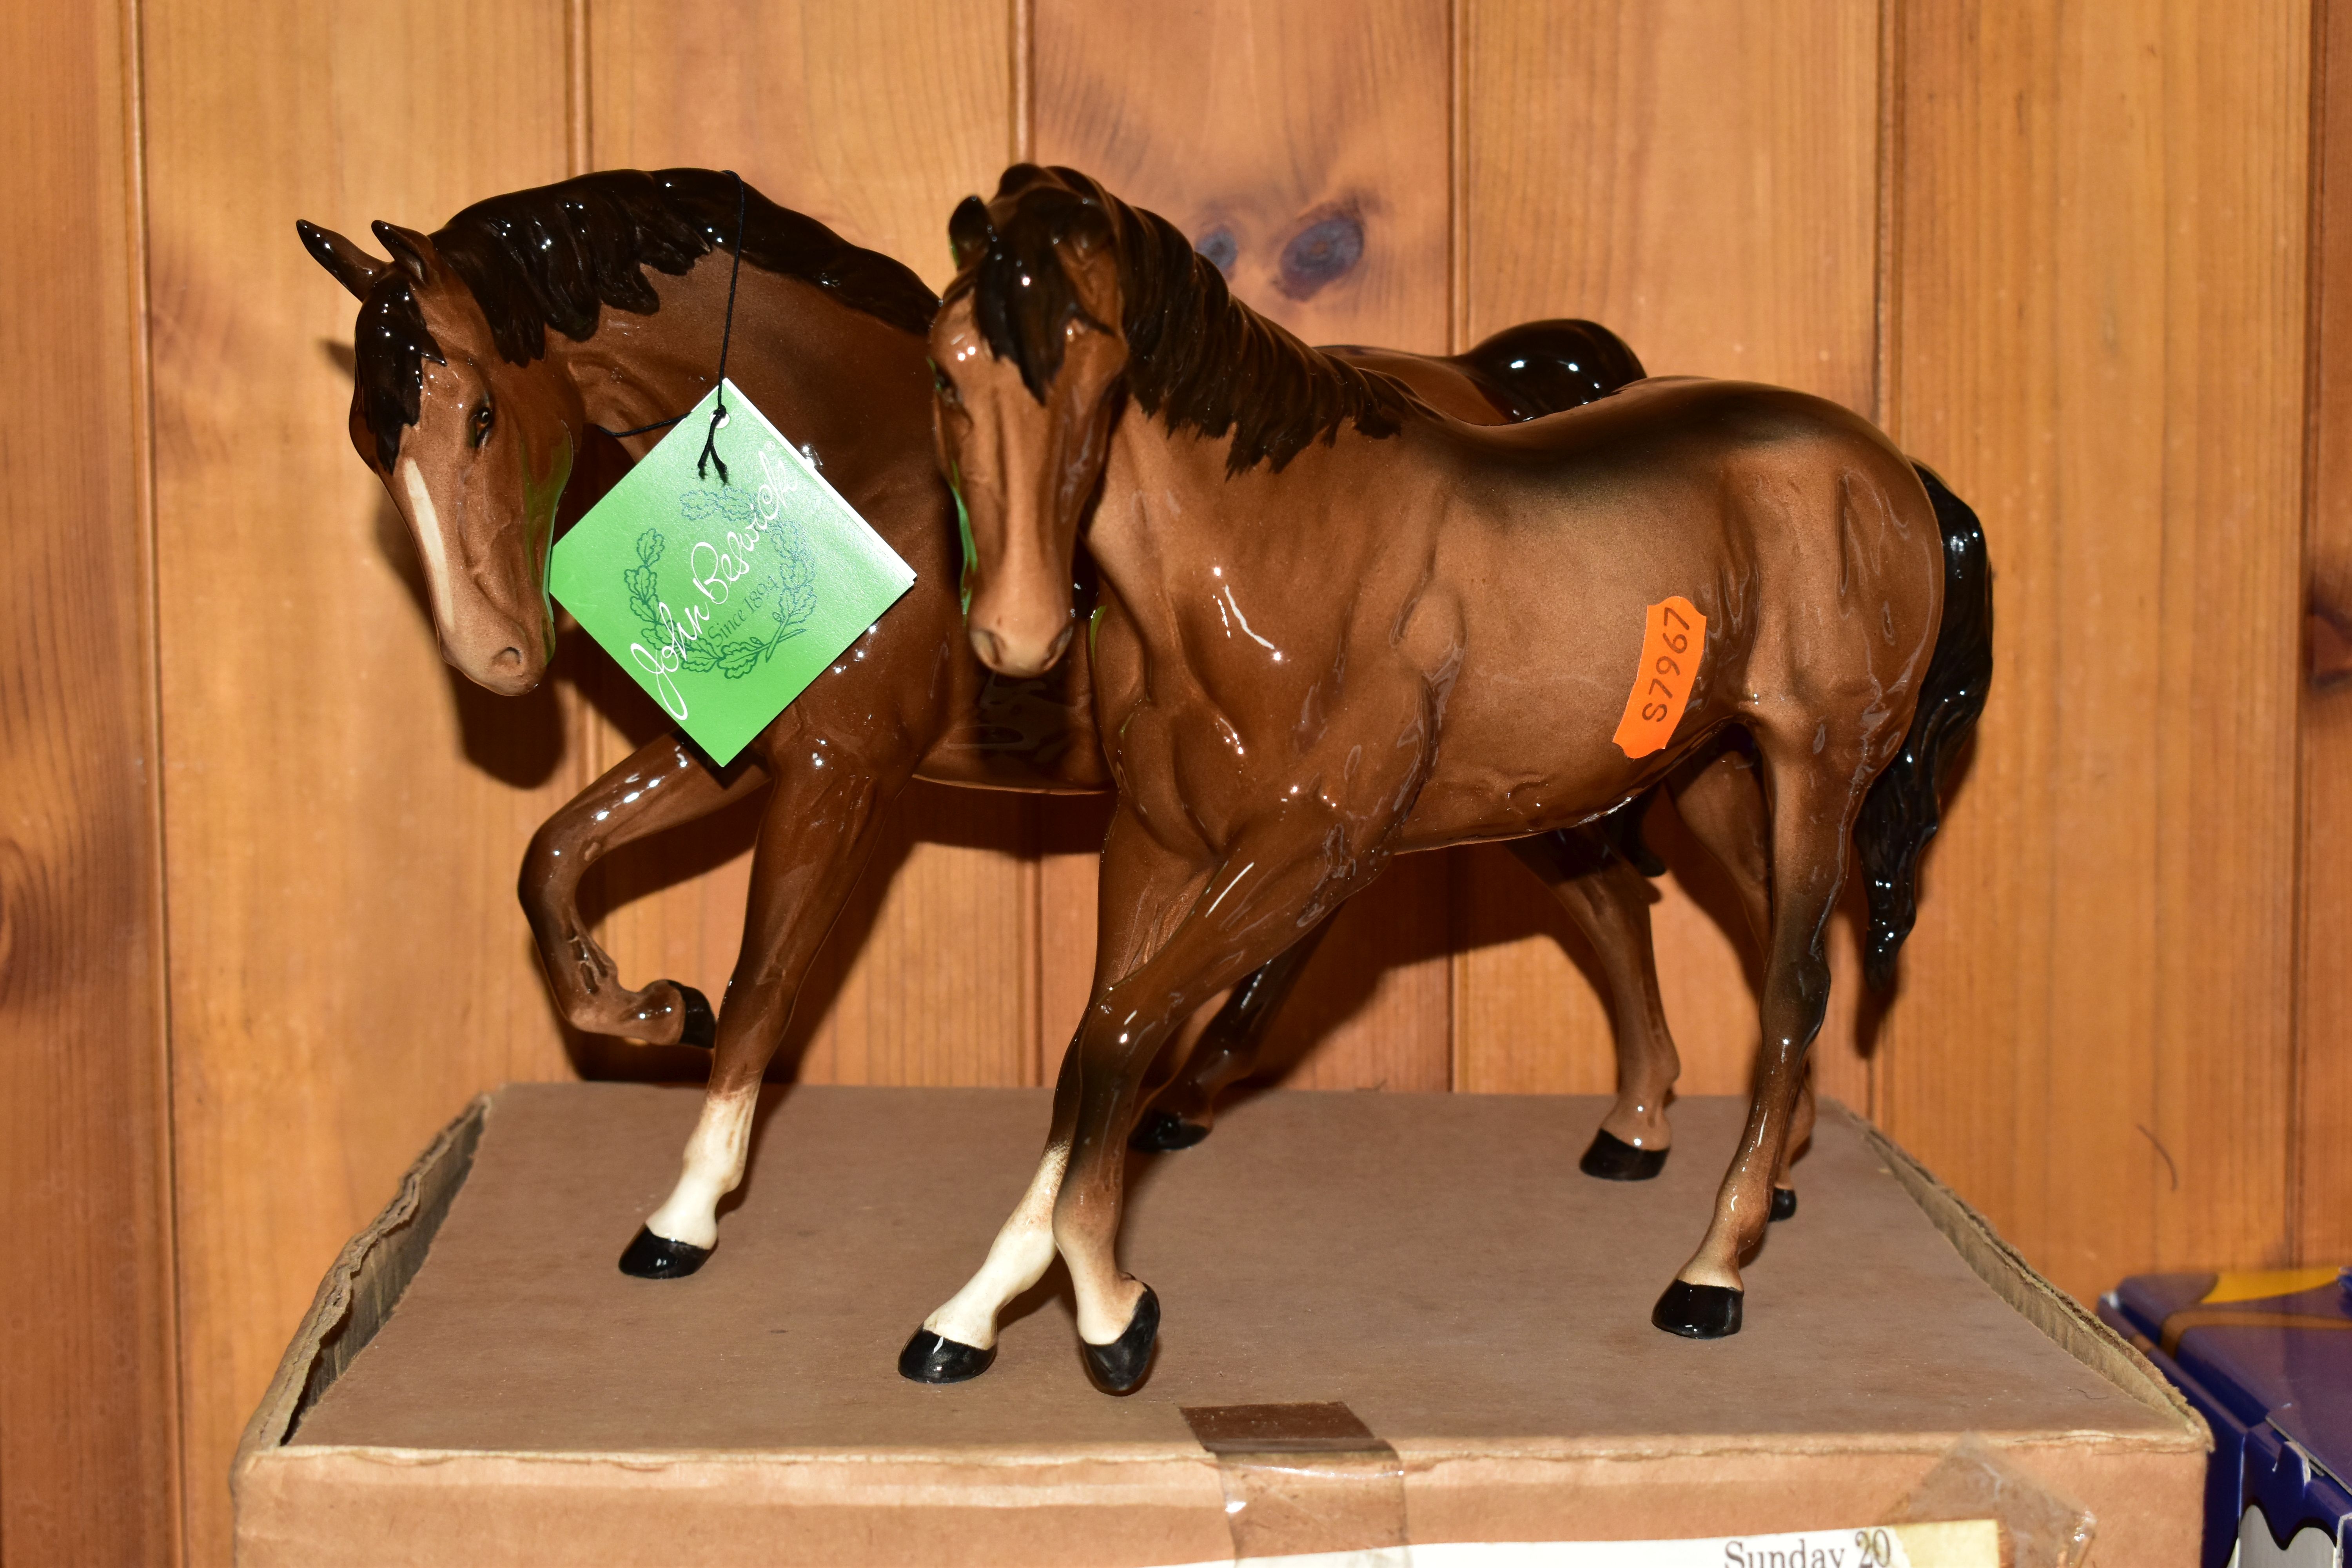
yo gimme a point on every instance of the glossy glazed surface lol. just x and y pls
(1458, 670)
(490, 353)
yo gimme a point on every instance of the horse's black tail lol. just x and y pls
(1899, 814)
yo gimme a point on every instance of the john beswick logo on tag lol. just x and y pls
(725, 596)
(752, 582)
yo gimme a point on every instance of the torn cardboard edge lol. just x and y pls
(374, 1268)
(366, 1282)
(2073, 1327)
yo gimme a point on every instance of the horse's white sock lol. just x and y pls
(714, 1167)
(1017, 1260)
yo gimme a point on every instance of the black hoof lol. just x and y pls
(1161, 1131)
(1613, 1159)
(651, 1256)
(1119, 1366)
(930, 1359)
(700, 1028)
(1784, 1202)
(1698, 1311)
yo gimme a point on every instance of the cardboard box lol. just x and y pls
(478, 1382)
(2267, 1358)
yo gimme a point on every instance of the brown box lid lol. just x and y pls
(1433, 1262)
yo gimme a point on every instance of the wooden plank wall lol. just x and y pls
(2081, 262)
(89, 1384)
(2097, 334)
(2321, 1135)
(343, 815)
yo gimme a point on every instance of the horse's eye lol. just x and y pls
(480, 425)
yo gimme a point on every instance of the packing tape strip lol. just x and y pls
(2038, 1527)
(1311, 1486)
(1304, 1480)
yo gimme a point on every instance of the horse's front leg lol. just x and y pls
(1610, 903)
(1140, 881)
(1265, 891)
(664, 784)
(1181, 1114)
(1815, 799)
(814, 836)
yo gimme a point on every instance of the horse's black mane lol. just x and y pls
(554, 256)
(1198, 358)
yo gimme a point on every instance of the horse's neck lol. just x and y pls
(1185, 522)
(849, 387)
(1177, 506)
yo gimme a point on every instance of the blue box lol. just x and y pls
(2267, 1358)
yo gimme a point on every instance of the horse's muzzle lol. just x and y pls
(1019, 658)
(510, 671)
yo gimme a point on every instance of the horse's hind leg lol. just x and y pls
(1721, 802)
(1181, 1114)
(664, 784)
(814, 835)
(1610, 903)
(1815, 800)
(1801, 1133)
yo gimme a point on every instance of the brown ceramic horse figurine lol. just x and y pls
(1474, 644)
(474, 414)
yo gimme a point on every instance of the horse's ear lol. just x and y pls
(970, 230)
(349, 266)
(1086, 230)
(408, 248)
(1090, 257)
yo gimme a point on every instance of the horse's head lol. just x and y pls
(473, 447)
(1029, 353)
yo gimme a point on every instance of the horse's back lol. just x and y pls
(1780, 477)
(1831, 557)
(1652, 431)
(1790, 523)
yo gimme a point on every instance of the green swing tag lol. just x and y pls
(725, 601)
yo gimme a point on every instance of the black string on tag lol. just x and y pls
(710, 457)
(726, 336)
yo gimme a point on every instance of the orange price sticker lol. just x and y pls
(1674, 639)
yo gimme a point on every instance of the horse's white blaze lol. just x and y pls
(714, 1167)
(424, 522)
(1017, 1260)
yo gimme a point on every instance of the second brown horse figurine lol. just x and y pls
(490, 353)
(1513, 631)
